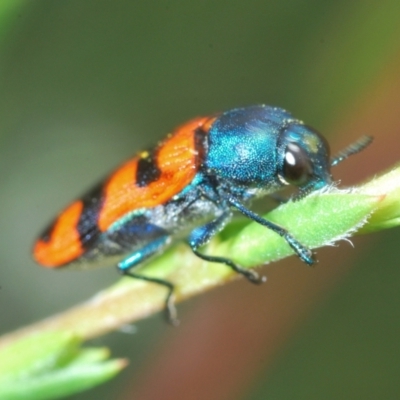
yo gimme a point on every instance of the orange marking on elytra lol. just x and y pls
(176, 159)
(64, 244)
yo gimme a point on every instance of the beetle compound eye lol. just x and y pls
(296, 166)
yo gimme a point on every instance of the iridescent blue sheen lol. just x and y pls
(248, 146)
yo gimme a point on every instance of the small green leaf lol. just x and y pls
(37, 354)
(51, 365)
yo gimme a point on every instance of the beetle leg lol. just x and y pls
(202, 235)
(137, 258)
(302, 251)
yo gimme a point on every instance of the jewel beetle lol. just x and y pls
(187, 187)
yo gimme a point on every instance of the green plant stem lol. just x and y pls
(314, 221)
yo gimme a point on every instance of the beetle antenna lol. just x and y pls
(354, 148)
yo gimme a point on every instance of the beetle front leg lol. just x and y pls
(305, 254)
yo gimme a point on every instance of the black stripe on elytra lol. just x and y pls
(87, 224)
(147, 169)
(200, 145)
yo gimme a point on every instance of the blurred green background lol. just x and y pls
(85, 84)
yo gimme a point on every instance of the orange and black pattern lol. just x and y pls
(148, 180)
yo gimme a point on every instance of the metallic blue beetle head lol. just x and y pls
(265, 147)
(303, 158)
